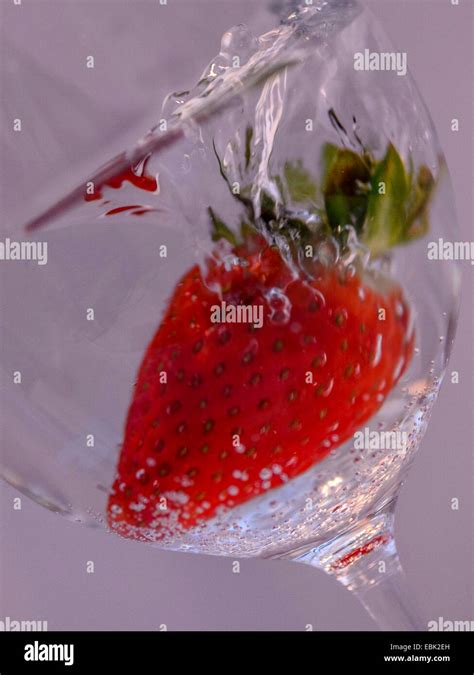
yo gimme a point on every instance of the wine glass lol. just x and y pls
(285, 163)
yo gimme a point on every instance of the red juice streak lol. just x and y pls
(121, 209)
(140, 180)
(346, 560)
(153, 143)
(140, 210)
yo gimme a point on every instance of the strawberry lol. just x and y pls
(223, 412)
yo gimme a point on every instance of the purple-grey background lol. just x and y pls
(138, 42)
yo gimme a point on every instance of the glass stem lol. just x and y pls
(390, 605)
(366, 562)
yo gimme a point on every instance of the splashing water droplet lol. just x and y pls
(280, 306)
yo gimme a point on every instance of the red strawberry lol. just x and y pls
(246, 409)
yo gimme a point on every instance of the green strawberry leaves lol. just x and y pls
(385, 223)
(421, 194)
(301, 188)
(381, 200)
(345, 182)
(385, 204)
(220, 230)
